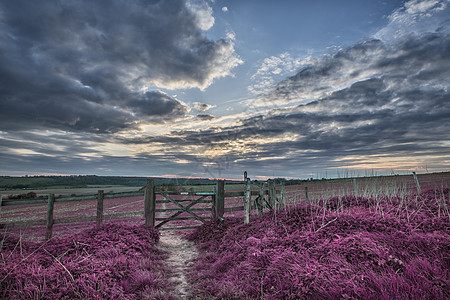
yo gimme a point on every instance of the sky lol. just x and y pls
(202, 88)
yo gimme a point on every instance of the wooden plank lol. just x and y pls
(124, 195)
(202, 193)
(220, 198)
(247, 199)
(214, 203)
(22, 202)
(179, 212)
(50, 209)
(100, 196)
(177, 209)
(272, 194)
(149, 203)
(186, 193)
(186, 209)
(69, 199)
(79, 198)
(241, 194)
(419, 190)
(181, 201)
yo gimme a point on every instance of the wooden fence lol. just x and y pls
(217, 196)
(50, 220)
(270, 194)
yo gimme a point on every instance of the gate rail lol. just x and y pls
(217, 205)
(217, 208)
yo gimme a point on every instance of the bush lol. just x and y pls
(308, 252)
(110, 262)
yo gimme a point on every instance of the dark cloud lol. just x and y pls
(205, 117)
(144, 165)
(66, 67)
(395, 106)
(156, 104)
(329, 73)
(202, 107)
(56, 144)
(79, 65)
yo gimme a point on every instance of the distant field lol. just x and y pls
(69, 191)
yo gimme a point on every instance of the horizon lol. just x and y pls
(210, 88)
(258, 178)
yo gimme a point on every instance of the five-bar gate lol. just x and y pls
(182, 203)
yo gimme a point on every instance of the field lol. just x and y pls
(382, 245)
(68, 191)
(378, 239)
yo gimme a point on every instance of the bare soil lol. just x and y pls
(181, 255)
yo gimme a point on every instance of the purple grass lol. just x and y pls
(346, 248)
(110, 262)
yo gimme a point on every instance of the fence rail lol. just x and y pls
(270, 195)
(149, 193)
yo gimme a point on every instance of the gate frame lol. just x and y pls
(217, 208)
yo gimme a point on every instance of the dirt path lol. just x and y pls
(181, 253)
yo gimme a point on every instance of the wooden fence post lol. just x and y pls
(259, 203)
(282, 196)
(100, 197)
(149, 203)
(272, 193)
(50, 221)
(219, 208)
(213, 200)
(306, 194)
(419, 190)
(247, 199)
(1, 201)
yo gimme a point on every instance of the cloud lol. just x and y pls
(231, 35)
(415, 17)
(329, 73)
(381, 103)
(202, 107)
(378, 105)
(81, 65)
(203, 14)
(155, 104)
(273, 68)
(205, 117)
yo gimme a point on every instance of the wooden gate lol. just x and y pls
(182, 203)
